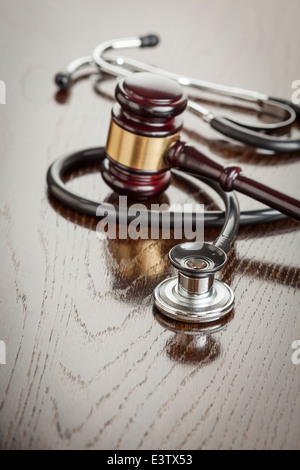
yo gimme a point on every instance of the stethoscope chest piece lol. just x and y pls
(195, 296)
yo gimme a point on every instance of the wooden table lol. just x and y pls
(89, 363)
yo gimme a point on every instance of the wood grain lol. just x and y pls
(90, 363)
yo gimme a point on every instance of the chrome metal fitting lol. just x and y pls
(195, 295)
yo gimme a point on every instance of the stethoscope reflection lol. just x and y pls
(193, 344)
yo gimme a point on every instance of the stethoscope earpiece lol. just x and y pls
(150, 40)
(63, 80)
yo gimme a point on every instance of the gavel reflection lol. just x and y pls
(145, 258)
(144, 144)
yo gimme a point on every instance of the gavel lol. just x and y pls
(144, 144)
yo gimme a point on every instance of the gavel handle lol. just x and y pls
(185, 157)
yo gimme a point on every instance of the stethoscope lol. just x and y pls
(144, 144)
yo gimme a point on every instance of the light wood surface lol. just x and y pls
(90, 364)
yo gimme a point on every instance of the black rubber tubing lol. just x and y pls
(252, 138)
(228, 219)
(295, 107)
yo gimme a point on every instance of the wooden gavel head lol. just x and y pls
(145, 124)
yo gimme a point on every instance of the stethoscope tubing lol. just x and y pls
(229, 220)
(253, 138)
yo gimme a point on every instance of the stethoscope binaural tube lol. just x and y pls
(248, 134)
